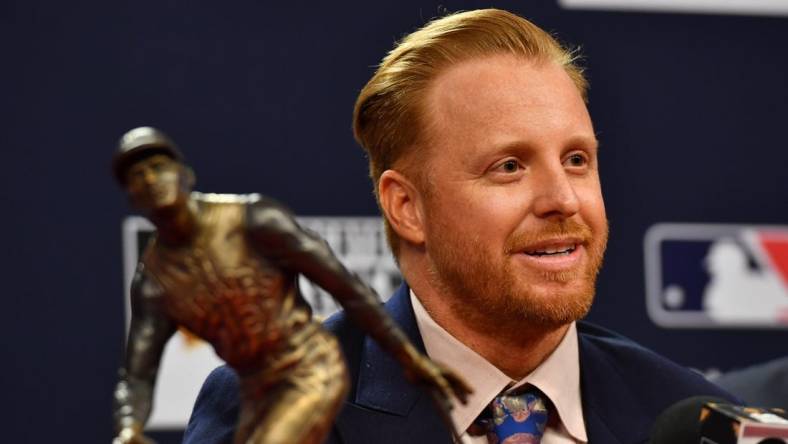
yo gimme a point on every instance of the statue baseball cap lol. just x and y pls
(138, 144)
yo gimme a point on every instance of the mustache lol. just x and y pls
(565, 229)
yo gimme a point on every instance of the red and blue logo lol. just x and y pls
(712, 275)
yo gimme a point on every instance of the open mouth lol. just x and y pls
(552, 251)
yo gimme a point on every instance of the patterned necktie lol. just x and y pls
(517, 418)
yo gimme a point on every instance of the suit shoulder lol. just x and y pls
(651, 377)
(221, 387)
(222, 377)
(763, 384)
(351, 340)
(337, 322)
(216, 409)
(349, 335)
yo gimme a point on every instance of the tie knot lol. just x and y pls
(516, 418)
(518, 407)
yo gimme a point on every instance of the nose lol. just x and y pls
(149, 176)
(554, 195)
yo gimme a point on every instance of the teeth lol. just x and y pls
(552, 251)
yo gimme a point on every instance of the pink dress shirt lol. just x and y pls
(558, 377)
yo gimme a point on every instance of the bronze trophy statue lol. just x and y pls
(225, 267)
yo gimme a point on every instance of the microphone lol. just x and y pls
(680, 423)
(708, 420)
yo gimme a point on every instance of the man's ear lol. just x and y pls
(401, 201)
(188, 176)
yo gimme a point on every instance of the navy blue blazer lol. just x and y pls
(624, 388)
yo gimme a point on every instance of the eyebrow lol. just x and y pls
(583, 141)
(591, 142)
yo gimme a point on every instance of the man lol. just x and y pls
(762, 385)
(225, 267)
(484, 161)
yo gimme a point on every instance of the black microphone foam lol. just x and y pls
(680, 423)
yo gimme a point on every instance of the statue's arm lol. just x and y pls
(277, 236)
(149, 331)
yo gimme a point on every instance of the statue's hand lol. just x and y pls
(440, 379)
(131, 435)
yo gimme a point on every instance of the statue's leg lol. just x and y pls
(301, 407)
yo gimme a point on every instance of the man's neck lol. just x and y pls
(516, 354)
(515, 350)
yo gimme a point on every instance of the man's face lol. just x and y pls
(155, 183)
(515, 225)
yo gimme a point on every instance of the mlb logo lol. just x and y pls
(712, 275)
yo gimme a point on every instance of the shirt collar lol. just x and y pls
(558, 376)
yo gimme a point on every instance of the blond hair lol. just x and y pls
(387, 119)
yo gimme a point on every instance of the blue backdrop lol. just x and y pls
(691, 111)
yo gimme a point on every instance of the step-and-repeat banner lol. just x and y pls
(688, 97)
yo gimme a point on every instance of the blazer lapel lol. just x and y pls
(612, 413)
(387, 408)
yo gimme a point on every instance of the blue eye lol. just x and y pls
(510, 166)
(576, 160)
